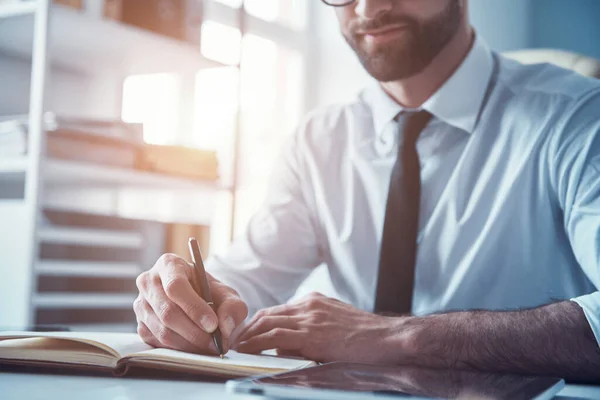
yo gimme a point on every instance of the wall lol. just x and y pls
(567, 24)
(503, 24)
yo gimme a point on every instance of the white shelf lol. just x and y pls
(88, 269)
(121, 328)
(83, 300)
(101, 44)
(13, 165)
(17, 8)
(91, 237)
(70, 172)
(62, 172)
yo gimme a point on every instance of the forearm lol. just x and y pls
(553, 340)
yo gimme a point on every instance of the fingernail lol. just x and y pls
(228, 326)
(209, 323)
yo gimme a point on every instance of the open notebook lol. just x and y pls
(119, 351)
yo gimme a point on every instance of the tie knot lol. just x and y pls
(414, 123)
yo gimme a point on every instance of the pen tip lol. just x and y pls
(222, 356)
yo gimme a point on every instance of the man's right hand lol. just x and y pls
(170, 314)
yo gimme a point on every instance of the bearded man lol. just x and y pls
(456, 204)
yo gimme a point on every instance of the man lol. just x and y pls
(462, 181)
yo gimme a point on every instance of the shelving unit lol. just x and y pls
(57, 172)
(126, 328)
(88, 237)
(88, 269)
(13, 165)
(85, 300)
(99, 43)
(47, 248)
(17, 9)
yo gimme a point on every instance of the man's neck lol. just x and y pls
(414, 91)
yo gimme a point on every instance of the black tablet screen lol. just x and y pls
(402, 381)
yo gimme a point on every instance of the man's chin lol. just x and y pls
(397, 68)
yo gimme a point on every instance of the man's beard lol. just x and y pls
(420, 43)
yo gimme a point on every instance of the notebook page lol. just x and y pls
(118, 344)
(233, 360)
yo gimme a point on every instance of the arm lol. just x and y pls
(554, 340)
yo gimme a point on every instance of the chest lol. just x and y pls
(495, 176)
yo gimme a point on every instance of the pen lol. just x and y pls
(203, 288)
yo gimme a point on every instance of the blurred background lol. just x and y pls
(127, 126)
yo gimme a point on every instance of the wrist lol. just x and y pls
(401, 339)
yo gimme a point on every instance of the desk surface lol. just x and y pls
(38, 386)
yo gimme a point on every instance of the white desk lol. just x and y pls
(21, 386)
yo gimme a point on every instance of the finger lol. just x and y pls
(279, 338)
(267, 324)
(288, 353)
(280, 310)
(172, 317)
(170, 339)
(231, 311)
(146, 335)
(175, 279)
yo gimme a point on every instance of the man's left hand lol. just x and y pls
(321, 329)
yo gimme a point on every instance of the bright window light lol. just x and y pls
(216, 106)
(220, 42)
(264, 9)
(259, 81)
(215, 113)
(272, 79)
(231, 3)
(153, 101)
(290, 13)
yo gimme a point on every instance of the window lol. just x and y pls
(268, 92)
(152, 100)
(221, 42)
(271, 104)
(290, 13)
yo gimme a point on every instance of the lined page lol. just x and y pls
(232, 359)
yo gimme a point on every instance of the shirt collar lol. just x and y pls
(469, 83)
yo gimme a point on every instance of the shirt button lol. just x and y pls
(385, 144)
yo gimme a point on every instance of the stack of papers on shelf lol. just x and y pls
(180, 161)
(92, 128)
(106, 142)
(96, 141)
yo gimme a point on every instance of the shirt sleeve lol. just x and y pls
(577, 178)
(279, 247)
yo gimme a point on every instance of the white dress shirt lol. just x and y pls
(510, 205)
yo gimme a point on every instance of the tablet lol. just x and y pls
(347, 381)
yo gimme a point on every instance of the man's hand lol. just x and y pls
(321, 329)
(170, 314)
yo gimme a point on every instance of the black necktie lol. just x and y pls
(399, 242)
